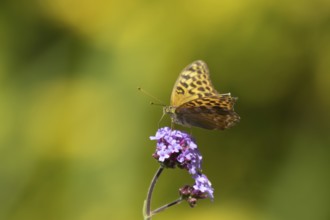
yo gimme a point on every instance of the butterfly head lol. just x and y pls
(170, 110)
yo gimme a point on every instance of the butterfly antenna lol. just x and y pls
(160, 103)
(157, 104)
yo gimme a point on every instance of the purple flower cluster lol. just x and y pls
(176, 148)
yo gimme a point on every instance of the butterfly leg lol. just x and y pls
(172, 125)
(160, 120)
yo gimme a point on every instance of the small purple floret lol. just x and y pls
(203, 185)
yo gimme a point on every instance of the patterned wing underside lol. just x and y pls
(213, 112)
(193, 83)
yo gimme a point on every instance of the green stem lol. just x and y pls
(162, 208)
(147, 205)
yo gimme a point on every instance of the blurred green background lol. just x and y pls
(74, 132)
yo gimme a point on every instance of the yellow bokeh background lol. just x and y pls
(74, 132)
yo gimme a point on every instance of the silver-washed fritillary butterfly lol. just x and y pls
(195, 102)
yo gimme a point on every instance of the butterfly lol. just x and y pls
(196, 103)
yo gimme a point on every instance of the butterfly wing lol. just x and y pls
(193, 82)
(213, 112)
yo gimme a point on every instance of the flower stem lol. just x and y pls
(162, 208)
(147, 206)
